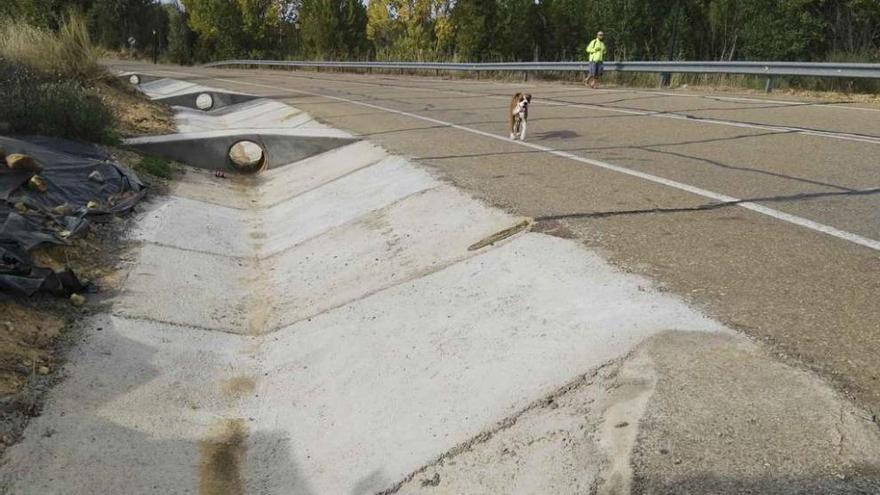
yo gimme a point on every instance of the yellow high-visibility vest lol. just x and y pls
(596, 51)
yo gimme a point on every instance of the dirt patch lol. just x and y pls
(86, 257)
(238, 387)
(136, 114)
(222, 457)
(26, 337)
(32, 340)
(36, 332)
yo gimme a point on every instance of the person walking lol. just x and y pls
(595, 55)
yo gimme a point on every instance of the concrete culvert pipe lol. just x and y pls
(204, 101)
(134, 79)
(247, 156)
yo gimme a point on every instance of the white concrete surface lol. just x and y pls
(385, 384)
(342, 290)
(254, 114)
(129, 417)
(161, 88)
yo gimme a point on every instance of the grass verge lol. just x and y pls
(155, 166)
(51, 84)
(35, 102)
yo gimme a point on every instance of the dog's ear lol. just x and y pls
(528, 97)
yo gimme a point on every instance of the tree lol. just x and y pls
(180, 36)
(319, 21)
(474, 22)
(232, 28)
(517, 29)
(782, 29)
(353, 26)
(114, 21)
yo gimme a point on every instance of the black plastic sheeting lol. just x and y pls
(76, 175)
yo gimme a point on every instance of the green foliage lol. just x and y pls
(180, 36)
(113, 22)
(477, 30)
(45, 79)
(240, 28)
(474, 22)
(333, 29)
(55, 106)
(155, 166)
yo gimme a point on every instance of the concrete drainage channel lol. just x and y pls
(323, 327)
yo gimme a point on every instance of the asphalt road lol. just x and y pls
(764, 212)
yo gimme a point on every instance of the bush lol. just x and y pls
(67, 53)
(33, 102)
(156, 166)
(180, 37)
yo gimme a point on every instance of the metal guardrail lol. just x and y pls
(805, 69)
(766, 69)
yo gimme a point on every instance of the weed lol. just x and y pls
(155, 166)
(68, 53)
(38, 103)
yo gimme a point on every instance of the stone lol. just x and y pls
(77, 299)
(38, 184)
(63, 210)
(18, 161)
(96, 176)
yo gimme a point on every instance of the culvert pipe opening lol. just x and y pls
(134, 79)
(204, 101)
(247, 156)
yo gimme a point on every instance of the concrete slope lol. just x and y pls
(254, 114)
(325, 327)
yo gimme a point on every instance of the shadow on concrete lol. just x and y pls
(543, 136)
(81, 446)
(211, 152)
(219, 99)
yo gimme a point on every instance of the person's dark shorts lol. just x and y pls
(596, 69)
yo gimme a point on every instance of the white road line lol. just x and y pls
(730, 123)
(650, 113)
(643, 113)
(791, 103)
(770, 212)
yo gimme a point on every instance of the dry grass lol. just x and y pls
(136, 115)
(68, 53)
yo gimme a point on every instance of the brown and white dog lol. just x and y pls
(519, 115)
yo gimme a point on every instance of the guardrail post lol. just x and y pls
(525, 75)
(665, 79)
(768, 86)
